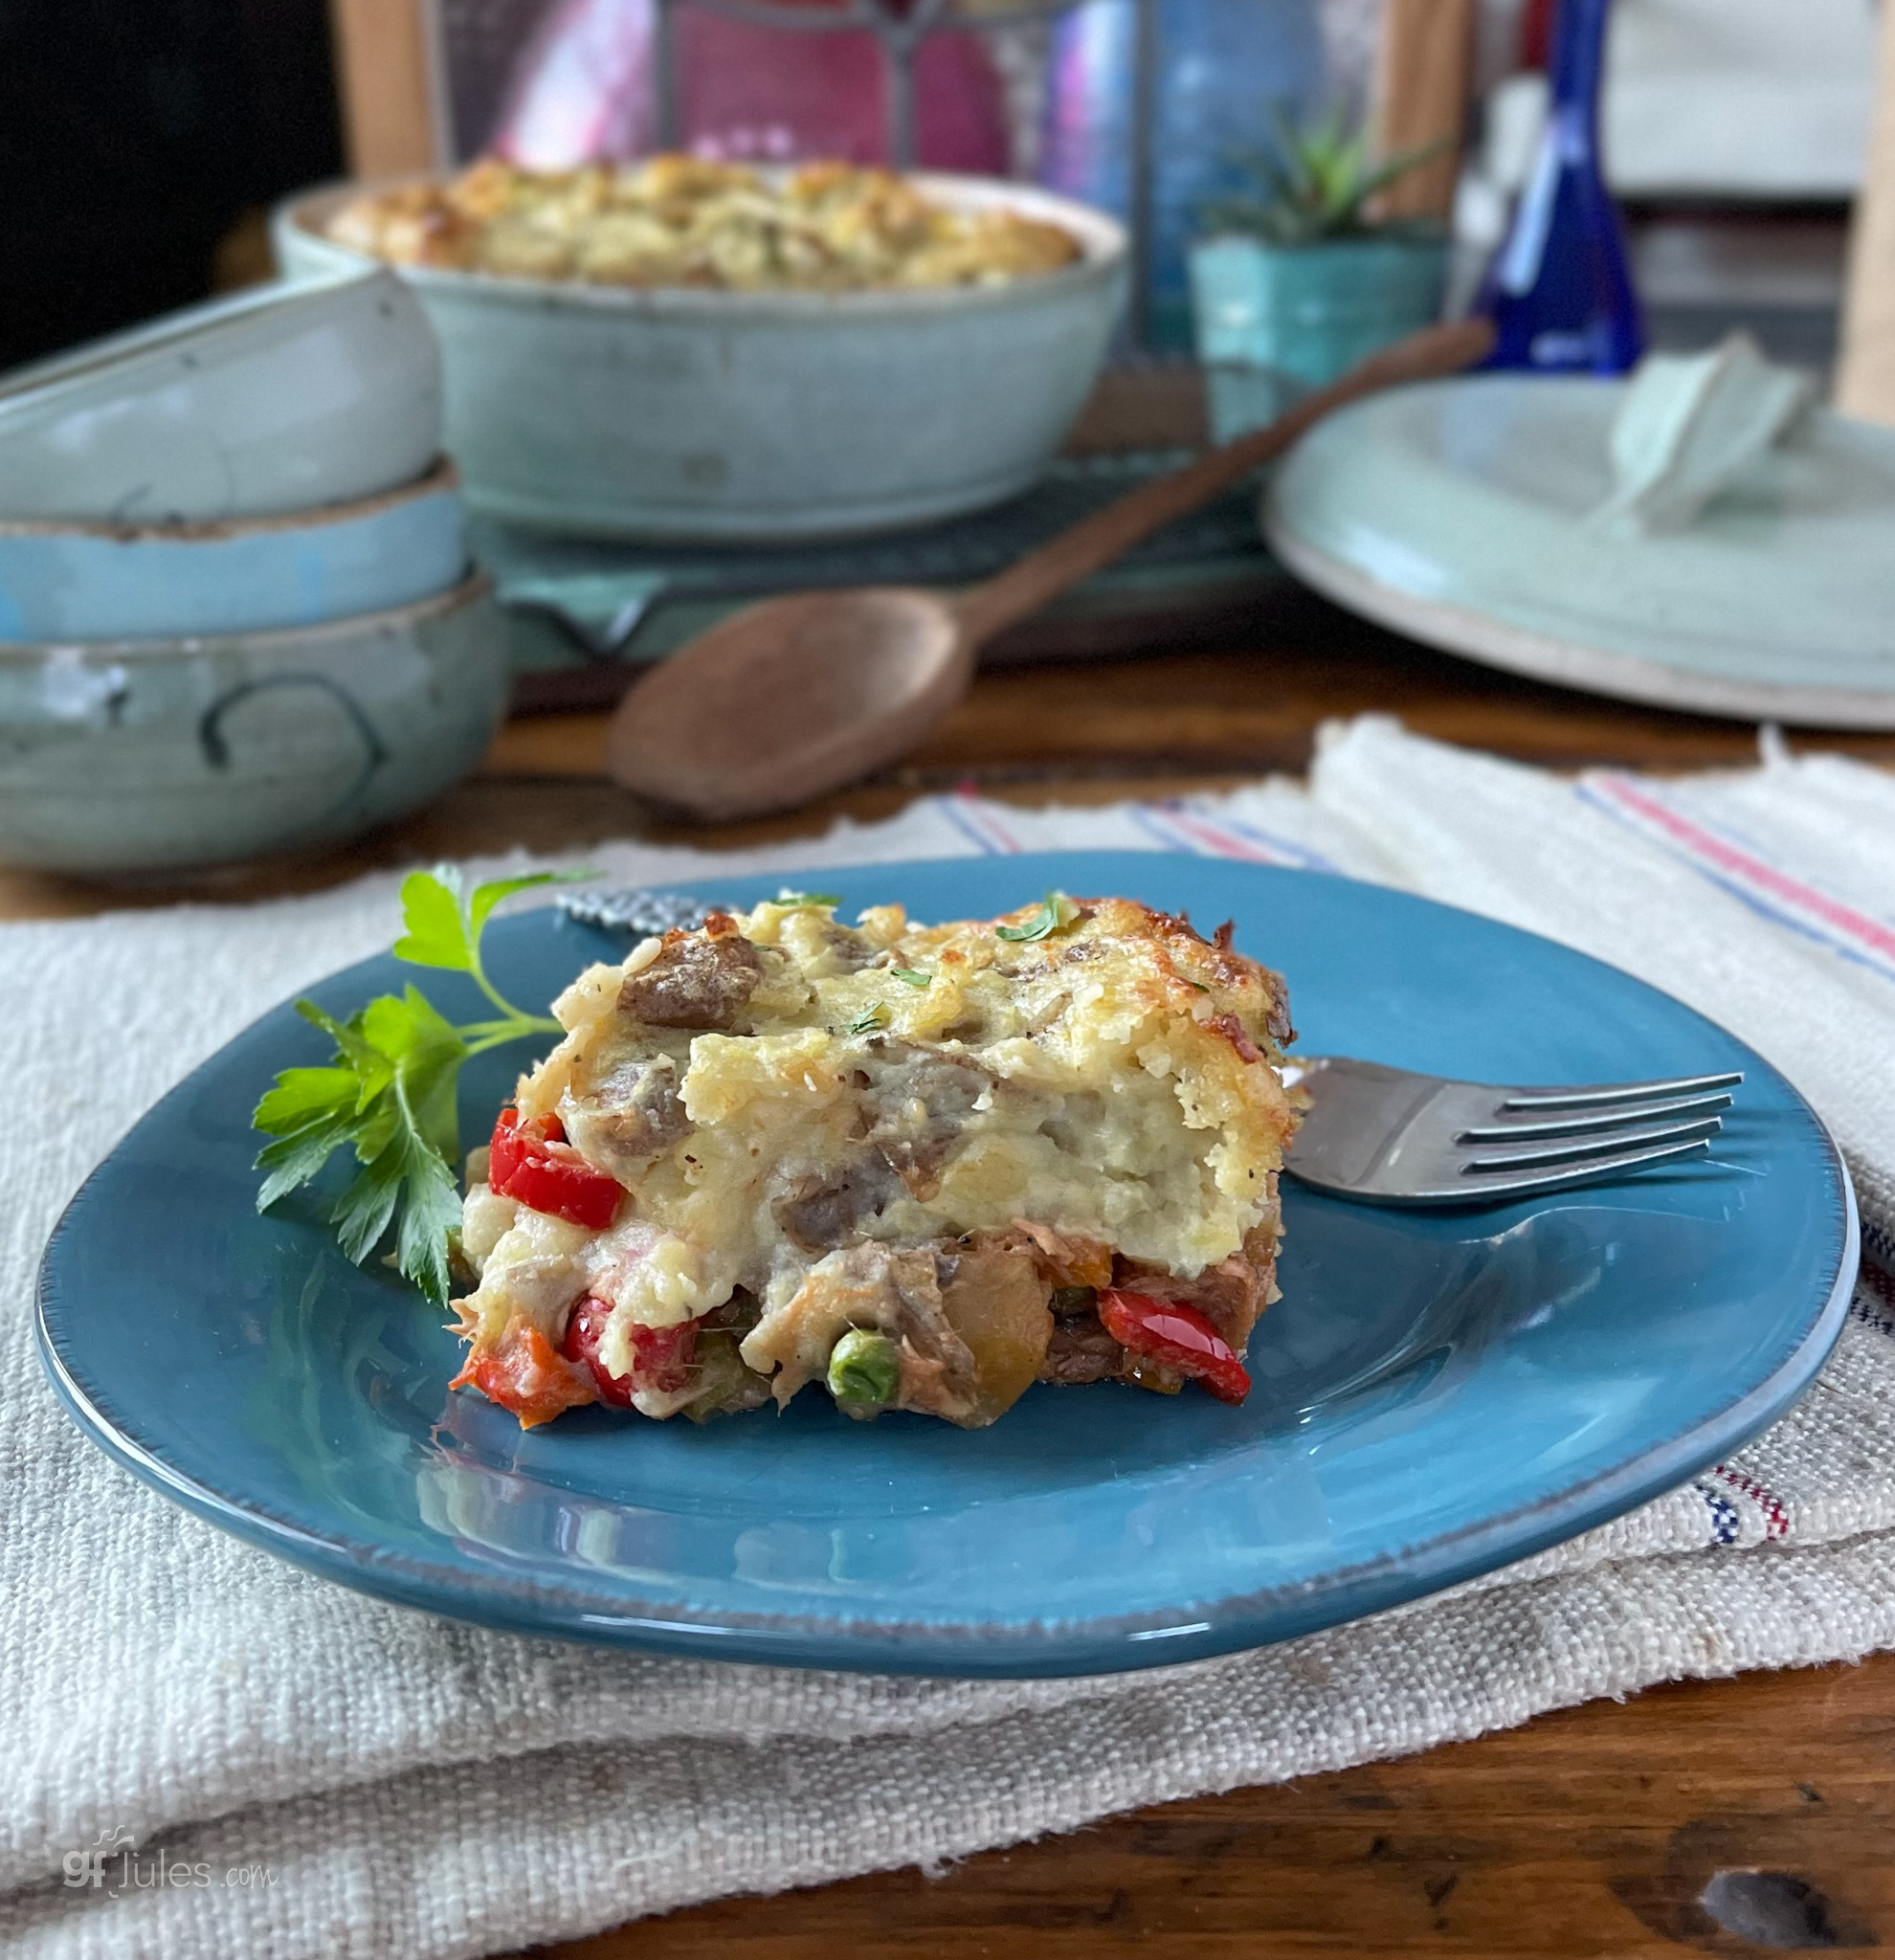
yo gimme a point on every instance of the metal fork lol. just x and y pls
(1391, 1137)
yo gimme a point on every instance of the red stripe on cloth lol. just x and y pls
(979, 812)
(1776, 1520)
(1218, 839)
(1727, 857)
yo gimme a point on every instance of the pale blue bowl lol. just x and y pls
(64, 581)
(133, 757)
(275, 399)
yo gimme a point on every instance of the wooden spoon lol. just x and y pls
(799, 695)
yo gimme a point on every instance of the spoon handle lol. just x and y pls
(1096, 540)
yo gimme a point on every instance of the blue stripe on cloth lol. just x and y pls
(1300, 855)
(1763, 907)
(1879, 1244)
(1723, 1514)
(1871, 1315)
(1146, 816)
(950, 807)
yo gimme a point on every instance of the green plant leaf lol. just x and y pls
(437, 934)
(430, 1215)
(295, 1157)
(352, 1048)
(487, 896)
(874, 1015)
(305, 1094)
(363, 1212)
(789, 899)
(912, 977)
(1313, 186)
(1056, 912)
(388, 1093)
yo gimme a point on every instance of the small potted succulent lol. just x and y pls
(1294, 282)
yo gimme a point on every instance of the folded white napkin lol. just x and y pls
(338, 1777)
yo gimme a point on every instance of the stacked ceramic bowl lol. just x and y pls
(237, 613)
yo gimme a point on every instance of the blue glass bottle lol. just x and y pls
(1223, 75)
(1559, 291)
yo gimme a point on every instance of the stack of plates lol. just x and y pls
(236, 613)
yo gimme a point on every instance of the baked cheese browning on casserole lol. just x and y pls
(682, 221)
(926, 1166)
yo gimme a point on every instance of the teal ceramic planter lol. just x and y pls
(1273, 321)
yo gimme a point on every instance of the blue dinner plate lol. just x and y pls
(1436, 1393)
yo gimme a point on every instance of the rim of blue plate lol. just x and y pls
(1003, 1650)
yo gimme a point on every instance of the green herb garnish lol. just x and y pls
(874, 1015)
(1055, 913)
(389, 1091)
(789, 899)
(913, 978)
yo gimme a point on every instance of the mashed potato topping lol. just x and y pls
(681, 221)
(956, 1139)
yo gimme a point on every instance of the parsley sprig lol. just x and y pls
(388, 1093)
(1055, 913)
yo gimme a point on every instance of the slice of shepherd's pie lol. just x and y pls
(926, 1166)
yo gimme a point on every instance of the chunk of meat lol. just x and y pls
(694, 982)
(917, 1105)
(1081, 1351)
(630, 1114)
(844, 950)
(821, 1214)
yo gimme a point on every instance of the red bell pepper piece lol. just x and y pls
(533, 1162)
(521, 1374)
(661, 1357)
(1177, 1336)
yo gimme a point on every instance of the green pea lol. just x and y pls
(864, 1371)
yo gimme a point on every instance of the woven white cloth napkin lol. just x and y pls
(338, 1777)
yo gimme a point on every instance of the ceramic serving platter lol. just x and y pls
(1436, 1393)
(1465, 513)
(725, 417)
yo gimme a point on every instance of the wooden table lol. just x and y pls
(1085, 732)
(1592, 1831)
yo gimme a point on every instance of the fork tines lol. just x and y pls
(1611, 1094)
(1617, 1126)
